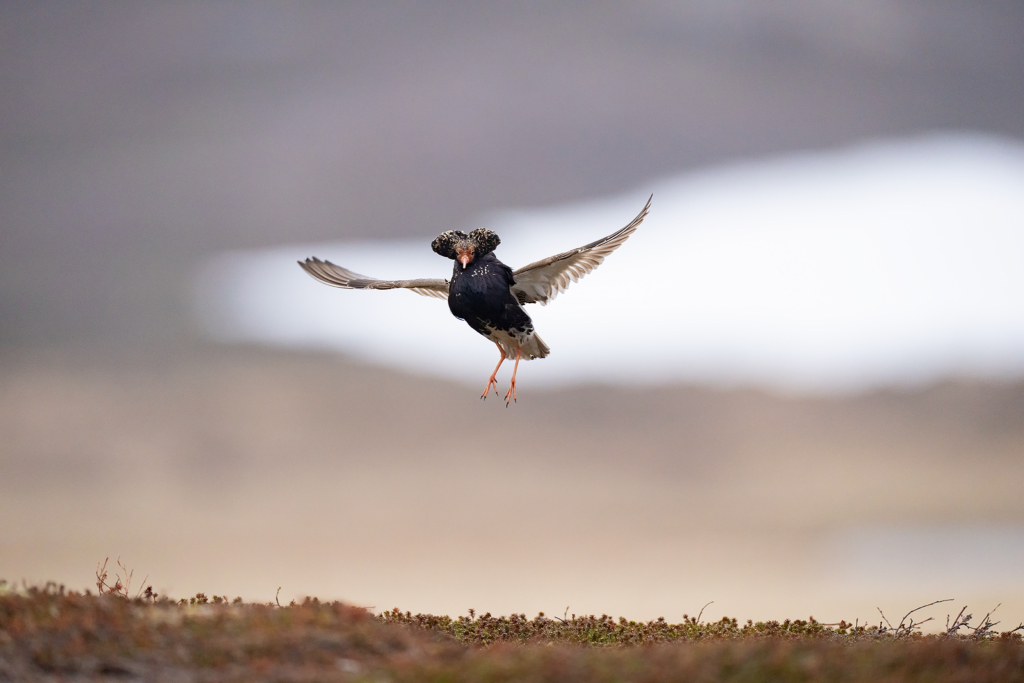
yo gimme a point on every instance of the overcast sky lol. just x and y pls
(137, 138)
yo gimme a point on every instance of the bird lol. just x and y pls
(486, 293)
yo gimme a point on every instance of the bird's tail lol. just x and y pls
(533, 347)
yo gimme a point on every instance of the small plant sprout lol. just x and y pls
(122, 582)
(702, 610)
(985, 629)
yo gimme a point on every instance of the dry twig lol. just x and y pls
(904, 629)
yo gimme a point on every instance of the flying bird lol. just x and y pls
(486, 293)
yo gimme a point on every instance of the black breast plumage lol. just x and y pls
(481, 295)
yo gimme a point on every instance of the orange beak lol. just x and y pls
(465, 257)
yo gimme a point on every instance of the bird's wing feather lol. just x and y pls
(541, 281)
(336, 276)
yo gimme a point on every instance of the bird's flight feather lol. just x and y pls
(539, 282)
(336, 276)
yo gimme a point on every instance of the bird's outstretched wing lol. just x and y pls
(336, 276)
(541, 281)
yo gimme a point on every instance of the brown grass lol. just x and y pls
(50, 633)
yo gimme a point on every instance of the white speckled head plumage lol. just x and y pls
(486, 241)
(481, 242)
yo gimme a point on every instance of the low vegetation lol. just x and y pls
(50, 633)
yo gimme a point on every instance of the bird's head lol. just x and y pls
(464, 248)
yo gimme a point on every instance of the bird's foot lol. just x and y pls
(487, 390)
(510, 395)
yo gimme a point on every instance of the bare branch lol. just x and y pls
(922, 607)
(883, 617)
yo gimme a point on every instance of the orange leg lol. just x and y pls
(494, 374)
(512, 387)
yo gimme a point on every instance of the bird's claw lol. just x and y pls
(487, 391)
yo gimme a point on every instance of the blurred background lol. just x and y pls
(797, 390)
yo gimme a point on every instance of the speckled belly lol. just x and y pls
(532, 346)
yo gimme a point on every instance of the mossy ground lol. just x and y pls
(49, 633)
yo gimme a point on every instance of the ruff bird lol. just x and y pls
(486, 293)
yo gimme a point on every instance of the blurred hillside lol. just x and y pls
(137, 138)
(240, 471)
